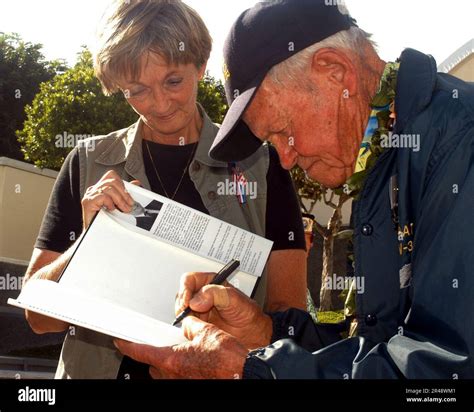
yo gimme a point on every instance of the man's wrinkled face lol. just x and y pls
(304, 126)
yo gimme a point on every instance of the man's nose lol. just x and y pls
(286, 152)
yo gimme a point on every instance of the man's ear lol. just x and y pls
(335, 67)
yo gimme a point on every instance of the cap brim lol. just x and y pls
(235, 141)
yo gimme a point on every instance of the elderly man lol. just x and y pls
(398, 137)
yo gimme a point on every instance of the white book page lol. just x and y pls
(196, 232)
(55, 300)
(137, 272)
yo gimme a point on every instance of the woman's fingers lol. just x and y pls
(109, 192)
(118, 197)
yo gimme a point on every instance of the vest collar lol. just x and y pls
(123, 146)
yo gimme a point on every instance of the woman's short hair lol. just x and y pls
(132, 28)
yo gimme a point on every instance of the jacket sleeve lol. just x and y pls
(438, 338)
(307, 350)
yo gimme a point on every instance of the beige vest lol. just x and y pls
(87, 354)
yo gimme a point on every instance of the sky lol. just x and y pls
(435, 27)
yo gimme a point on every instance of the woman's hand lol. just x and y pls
(108, 192)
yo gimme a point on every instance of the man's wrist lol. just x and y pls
(277, 326)
(261, 333)
(268, 330)
(241, 355)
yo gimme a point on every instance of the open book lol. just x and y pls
(124, 275)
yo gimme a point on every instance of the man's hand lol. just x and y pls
(210, 354)
(226, 307)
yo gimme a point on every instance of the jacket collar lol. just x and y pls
(127, 146)
(415, 85)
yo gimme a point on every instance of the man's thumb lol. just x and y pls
(210, 296)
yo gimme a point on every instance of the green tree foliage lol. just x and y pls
(211, 95)
(72, 106)
(67, 108)
(306, 189)
(22, 69)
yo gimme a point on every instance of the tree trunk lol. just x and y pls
(333, 227)
(328, 262)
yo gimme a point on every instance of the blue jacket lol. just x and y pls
(416, 315)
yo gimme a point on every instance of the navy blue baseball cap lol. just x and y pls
(263, 36)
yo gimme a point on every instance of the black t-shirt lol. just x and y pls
(62, 222)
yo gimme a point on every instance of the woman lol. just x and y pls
(155, 52)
